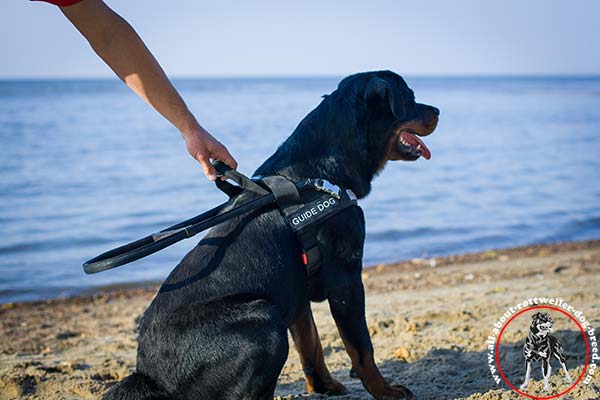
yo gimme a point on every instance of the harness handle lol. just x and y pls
(171, 235)
(285, 194)
(242, 180)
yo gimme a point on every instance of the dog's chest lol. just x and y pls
(536, 345)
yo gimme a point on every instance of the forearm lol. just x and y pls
(117, 43)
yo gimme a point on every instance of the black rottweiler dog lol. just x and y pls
(541, 345)
(217, 327)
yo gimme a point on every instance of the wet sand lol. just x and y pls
(428, 318)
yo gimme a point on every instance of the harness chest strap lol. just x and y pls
(304, 219)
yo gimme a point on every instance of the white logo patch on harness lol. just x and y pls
(305, 215)
(315, 212)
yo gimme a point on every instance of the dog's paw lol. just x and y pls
(569, 379)
(327, 386)
(523, 386)
(394, 392)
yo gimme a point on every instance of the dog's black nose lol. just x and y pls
(436, 110)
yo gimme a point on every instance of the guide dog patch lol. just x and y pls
(313, 212)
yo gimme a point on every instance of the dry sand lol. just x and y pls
(429, 320)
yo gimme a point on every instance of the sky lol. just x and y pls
(306, 38)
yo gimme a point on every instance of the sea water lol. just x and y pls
(86, 166)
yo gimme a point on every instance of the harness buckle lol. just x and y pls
(324, 185)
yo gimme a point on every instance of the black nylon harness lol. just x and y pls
(302, 218)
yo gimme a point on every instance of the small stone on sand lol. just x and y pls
(402, 353)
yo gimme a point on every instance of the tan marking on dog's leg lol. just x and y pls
(308, 345)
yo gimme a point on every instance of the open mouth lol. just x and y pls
(411, 147)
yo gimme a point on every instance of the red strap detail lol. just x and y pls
(304, 259)
(61, 3)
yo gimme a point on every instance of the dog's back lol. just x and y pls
(236, 257)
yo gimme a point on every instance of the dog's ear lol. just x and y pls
(379, 93)
(535, 316)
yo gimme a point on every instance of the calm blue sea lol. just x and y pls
(86, 166)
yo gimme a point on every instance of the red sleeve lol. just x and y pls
(61, 3)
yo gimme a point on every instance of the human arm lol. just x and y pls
(117, 43)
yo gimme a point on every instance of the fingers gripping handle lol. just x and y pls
(222, 168)
(242, 180)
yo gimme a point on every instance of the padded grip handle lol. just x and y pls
(242, 180)
(221, 167)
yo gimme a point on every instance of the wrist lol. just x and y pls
(190, 127)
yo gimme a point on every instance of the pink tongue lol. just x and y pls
(415, 141)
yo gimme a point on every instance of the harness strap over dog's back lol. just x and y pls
(286, 194)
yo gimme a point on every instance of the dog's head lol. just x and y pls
(541, 323)
(370, 119)
(386, 107)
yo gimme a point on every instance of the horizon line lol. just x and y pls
(310, 76)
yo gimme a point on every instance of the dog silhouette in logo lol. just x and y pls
(540, 345)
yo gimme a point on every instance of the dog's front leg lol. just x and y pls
(307, 342)
(527, 375)
(546, 371)
(347, 306)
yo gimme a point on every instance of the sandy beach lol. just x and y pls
(428, 318)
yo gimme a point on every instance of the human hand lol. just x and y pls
(203, 147)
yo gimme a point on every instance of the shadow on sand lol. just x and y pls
(454, 373)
